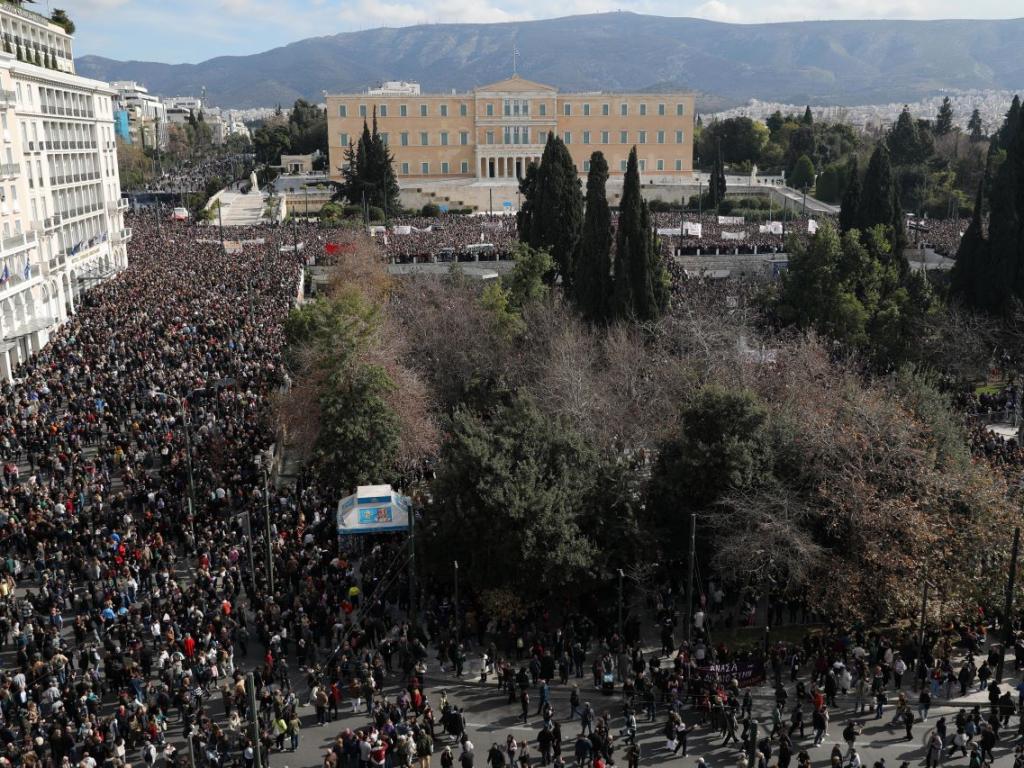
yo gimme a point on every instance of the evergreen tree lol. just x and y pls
(989, 272)
(640, 282)
(849, 210)
(1008, 132)
(974, 125)
(971, 257)
(557, 209)
(808, 118)
(381, 170)
(906, 142)
(944, 118)
(803, 173)
(716, 184)
(593, 282)
(879, 198)
(524, 216)
(1006, 206)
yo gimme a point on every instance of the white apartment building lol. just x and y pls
(61, 213)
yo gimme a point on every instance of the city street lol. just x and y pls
(490, 719)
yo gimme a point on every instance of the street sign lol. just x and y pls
(507, 205)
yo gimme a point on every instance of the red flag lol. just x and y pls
(331, 248)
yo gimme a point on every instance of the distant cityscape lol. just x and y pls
(991, 104)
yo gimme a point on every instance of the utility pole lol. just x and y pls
(270, 551)
(1008, 608)
(924, 609)
(252, 560)
(689, 577)
(456, 602)
(254, 720)
(413, 589)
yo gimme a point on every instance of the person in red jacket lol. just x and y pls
(189, 646)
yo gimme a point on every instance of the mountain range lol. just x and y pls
(816, 62)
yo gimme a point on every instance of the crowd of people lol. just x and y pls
(163, 601)
(192, 175)
(446, 237)
(130, 447)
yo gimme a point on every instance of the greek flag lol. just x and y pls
(27, 272)
(6, 276)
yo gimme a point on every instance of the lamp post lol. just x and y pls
(266, 506)
(248, 547)
(188, 459)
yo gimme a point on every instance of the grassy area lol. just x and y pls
(991, 388)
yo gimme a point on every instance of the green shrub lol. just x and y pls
(430, 211)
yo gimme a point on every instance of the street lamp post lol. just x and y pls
(270, 551)
(248, 546)
(188, 460)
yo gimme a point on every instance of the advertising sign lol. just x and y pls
(373, 509)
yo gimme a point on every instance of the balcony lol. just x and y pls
(16, 243)
(121, 204)
(122, 236)
(7, 99)
(10, 169)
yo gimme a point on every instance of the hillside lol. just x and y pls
(833, 62)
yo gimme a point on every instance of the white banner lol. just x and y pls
(734, 235)
(771, 228)
(376, 230)
(404, 229)
(373, 509)
(669, 231)
(731, 220)
(812, 226)
(693, 228)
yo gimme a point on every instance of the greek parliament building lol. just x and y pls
(61, 214)
(497, 130)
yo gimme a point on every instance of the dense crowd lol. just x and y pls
(446, 237)
(150, 564)
(192, 175)
(122, 525)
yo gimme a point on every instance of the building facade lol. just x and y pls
(498, 130)
(145, 114)
(61, 213)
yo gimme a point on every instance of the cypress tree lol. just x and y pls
(971, 257)
(879, 200)
(944, 119)
(1009, 130)
(557, 209)
(524, 216)
(974, 125)
(716, 185)
(808, 116)
(593, 281)
(849, 209)
(639, 280)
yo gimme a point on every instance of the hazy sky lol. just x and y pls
(194, 30)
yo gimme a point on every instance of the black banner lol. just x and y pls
(746, 673)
